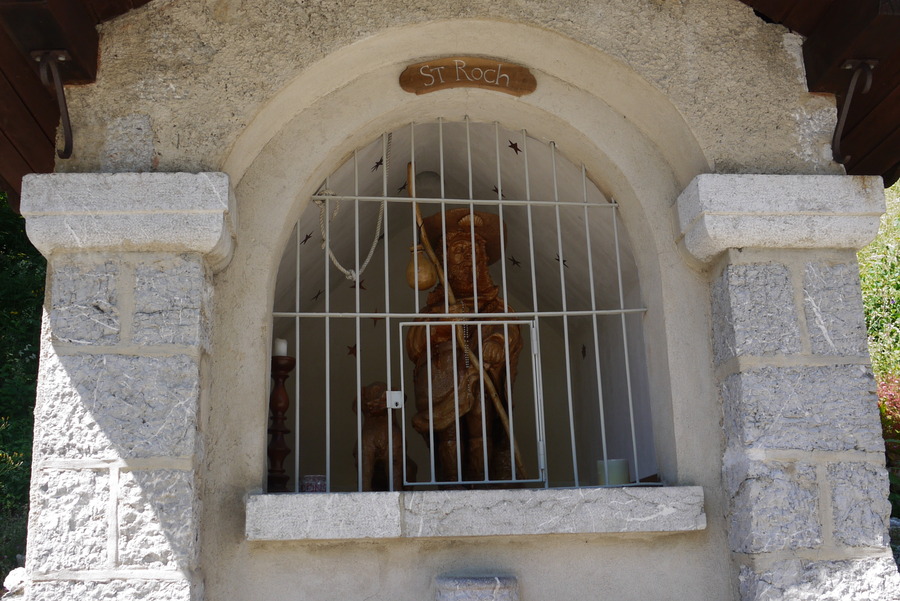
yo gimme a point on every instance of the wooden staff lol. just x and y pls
(460, 335)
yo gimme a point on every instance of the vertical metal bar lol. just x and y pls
(500, 213)
(327, 343)
(534, 297)
(590, 255)
(539, 423)
(443, 213)
(484, 438)
(453, 339)
(403, 406)
(565, 308)
(471, 219)
(357, 280)
(441, 153)
(459, 472)
(634, 448)
(411, 190)
(509, 401)
(540, 426)
(297, 455)
(469, 157)
(385, 153)
(508, 387)
(430, 402)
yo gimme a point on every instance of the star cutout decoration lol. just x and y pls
(306, 238)
(351, 350)
(514, 261)
(565, 261)
(515, 146)
(362, 285)
(583, 351)
(318, 294)
(378, 164)
(375, 320)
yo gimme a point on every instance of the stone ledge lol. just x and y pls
(167, 212)
(451, 514)
(718, 212)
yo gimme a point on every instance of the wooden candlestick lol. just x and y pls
(278, 407)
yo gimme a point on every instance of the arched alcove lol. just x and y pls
(562, 267)
(598, 112)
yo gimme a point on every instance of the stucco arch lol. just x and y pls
(574, 64)
(635, 145)
(633, 142)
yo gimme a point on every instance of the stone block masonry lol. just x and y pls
(804, 458)
(115, 508)
(804, 462)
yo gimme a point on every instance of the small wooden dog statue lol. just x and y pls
(377, 451)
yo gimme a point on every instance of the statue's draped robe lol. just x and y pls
(451, 400)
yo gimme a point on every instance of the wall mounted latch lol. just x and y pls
(394, 399)
(48, 61)
(860, 67)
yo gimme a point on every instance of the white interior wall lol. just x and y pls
(543, 173)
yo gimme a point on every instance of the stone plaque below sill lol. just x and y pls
(461, 513)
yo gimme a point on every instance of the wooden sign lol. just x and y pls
(467, 72)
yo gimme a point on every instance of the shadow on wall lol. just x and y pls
(116, 418)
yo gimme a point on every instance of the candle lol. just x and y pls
(618, 472)
(280, 347)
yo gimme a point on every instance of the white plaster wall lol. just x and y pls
(644, 173)
(174, 64)
(646, 93)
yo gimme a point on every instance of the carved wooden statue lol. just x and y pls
(378, 449)
(483, 438)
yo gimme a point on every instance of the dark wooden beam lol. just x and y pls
(22, 75)
(104, 10)
(55, 25)
(863, 29)
(19, 124)
(774, 10)
(12, 169)
(881, 159)
(28, 119)
(885, 83)
(804, 15)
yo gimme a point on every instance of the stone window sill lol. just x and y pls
(463, 513)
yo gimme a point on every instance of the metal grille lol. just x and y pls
(536, 298)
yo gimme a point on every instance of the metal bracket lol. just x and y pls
(394, 399)
(49, 67)
(859, 67)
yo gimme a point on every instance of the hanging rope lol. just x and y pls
(349, 273)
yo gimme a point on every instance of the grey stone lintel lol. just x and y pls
(121, 212)
(721, 211)
(465, 513)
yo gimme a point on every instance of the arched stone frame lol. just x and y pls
(599, 112)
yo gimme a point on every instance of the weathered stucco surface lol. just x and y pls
(249, 87)
(180, 79)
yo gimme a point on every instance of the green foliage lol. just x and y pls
(889, 406)
(879, 265)
(22, 272)
(13, 528)
(879, 270)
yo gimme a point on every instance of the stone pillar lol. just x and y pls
(804, 459)
(117, 449)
